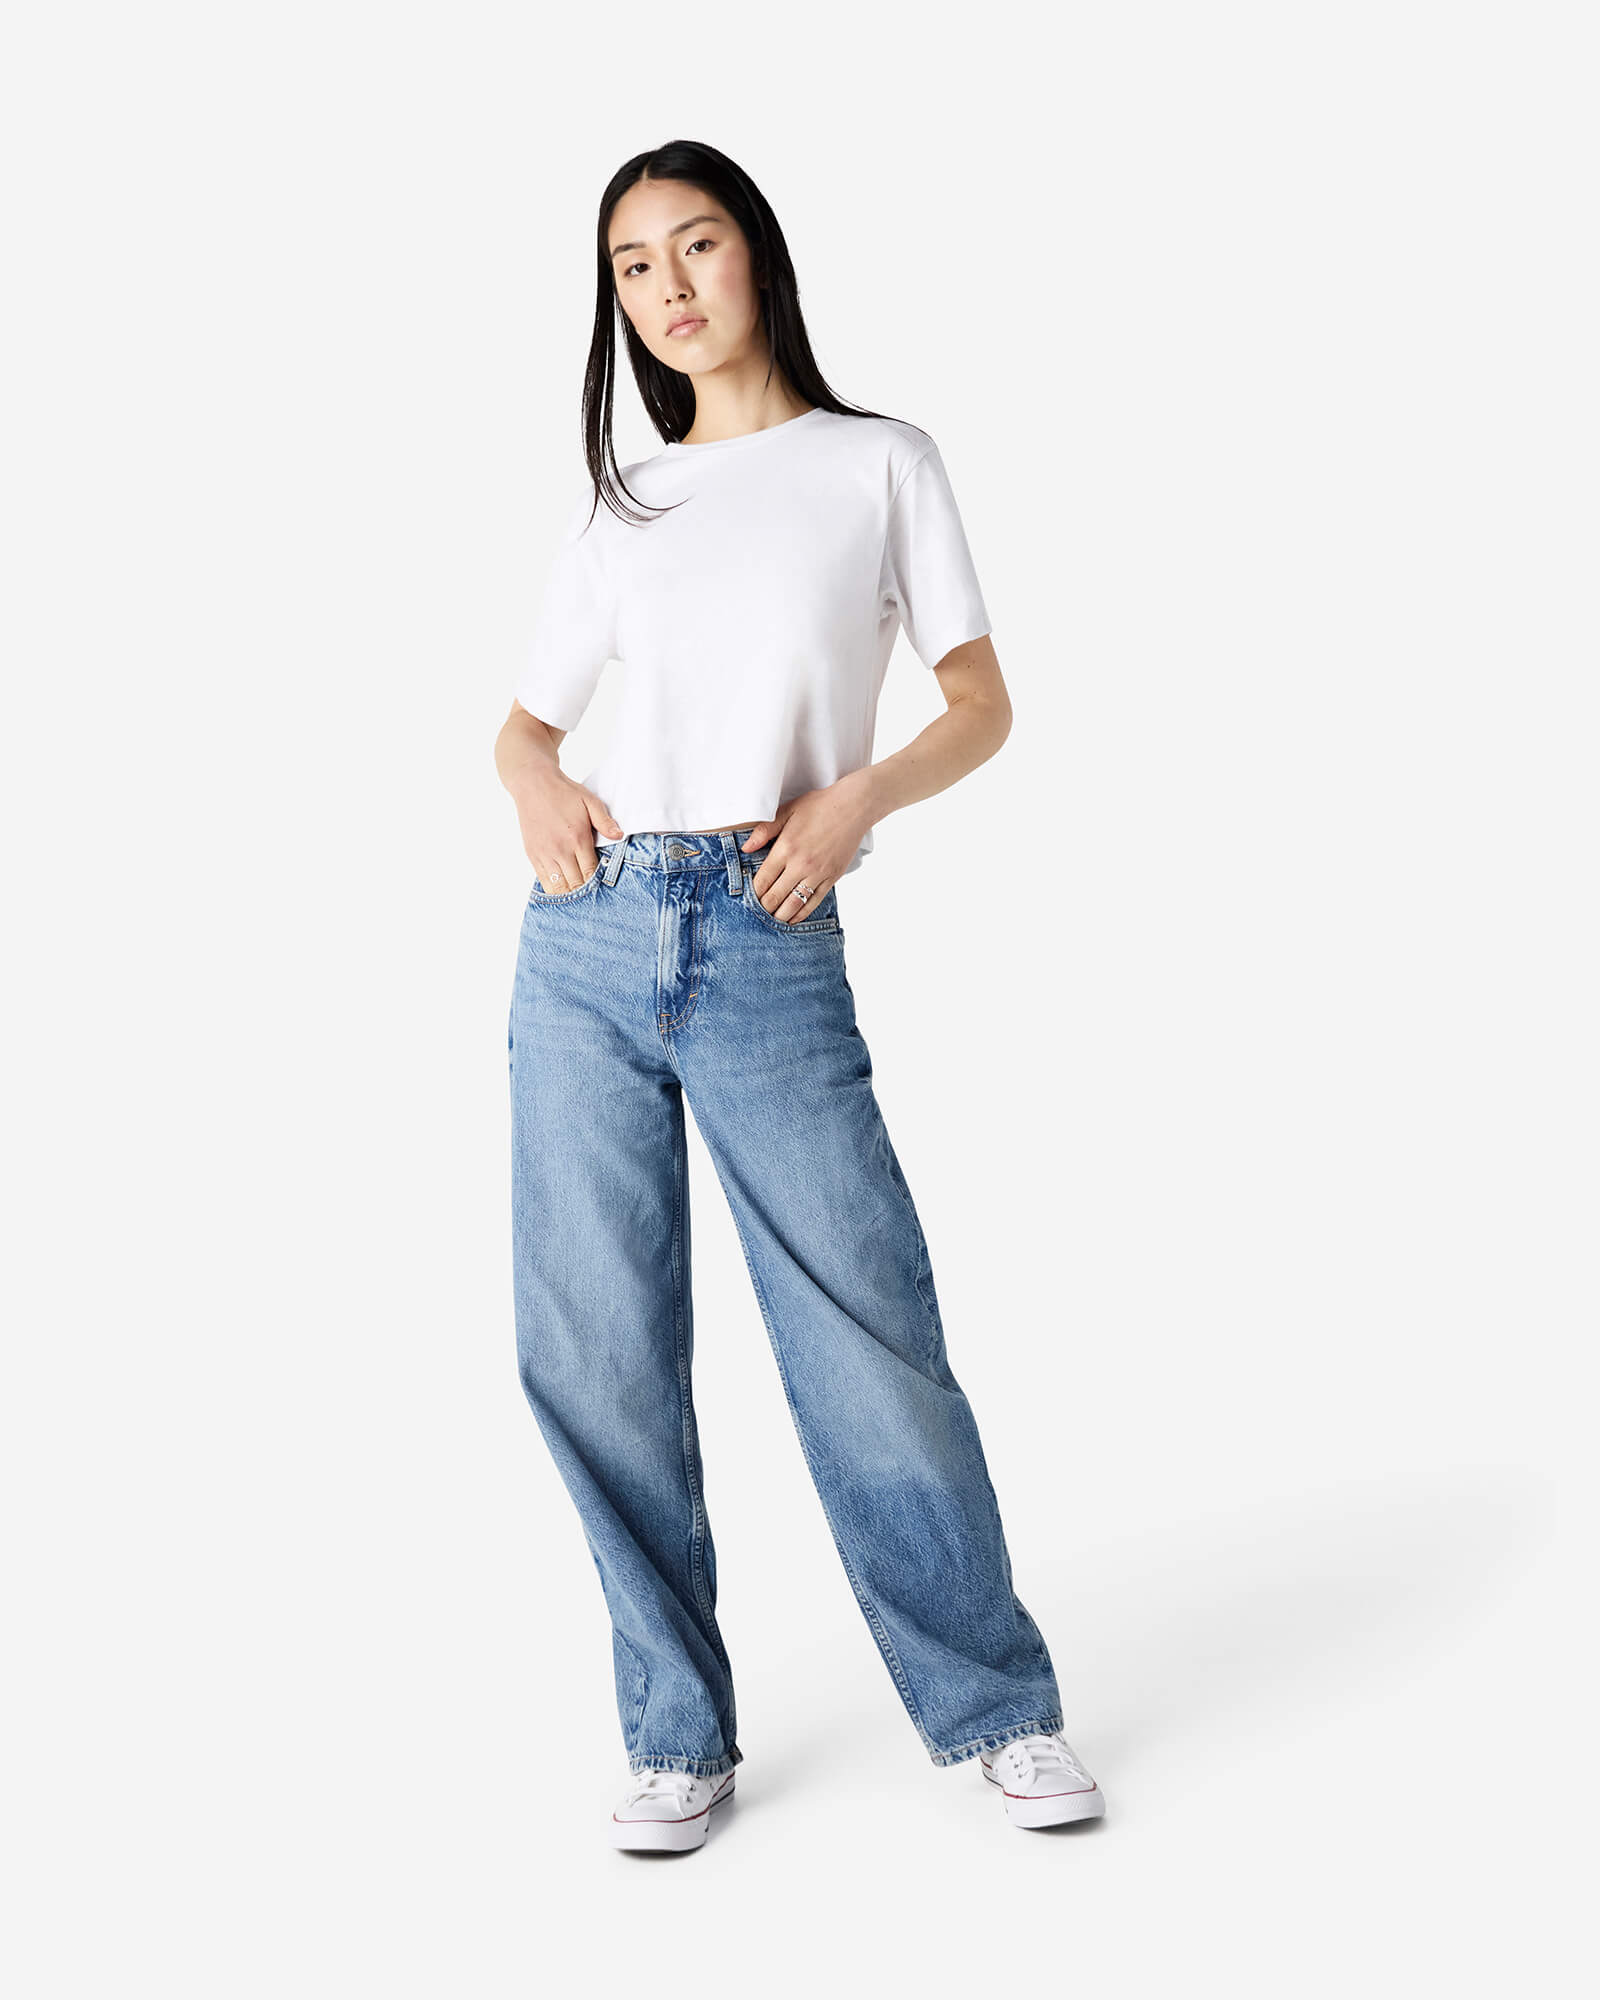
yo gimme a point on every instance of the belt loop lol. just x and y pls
(730, 853)
(614, 859)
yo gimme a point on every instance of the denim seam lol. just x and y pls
(633, 1719)
(696, 947)
(710, 865)
(689, 1478)
(1044, 1725)
(1036, 1642)
(691, 1472)
(879, 1632)
(698, 1767)
(935, 1325)
(1025, 1617)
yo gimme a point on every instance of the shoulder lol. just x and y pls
(589, 517)
(647, 481)
(890, 443)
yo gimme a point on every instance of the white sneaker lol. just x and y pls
(1042, 1781)
(667, 1809)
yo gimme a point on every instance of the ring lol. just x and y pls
(802, 892)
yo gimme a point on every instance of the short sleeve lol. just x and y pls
(928, 572)
(574, 633)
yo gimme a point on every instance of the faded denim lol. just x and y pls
(662, 977)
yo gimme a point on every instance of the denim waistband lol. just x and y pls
(672, 851)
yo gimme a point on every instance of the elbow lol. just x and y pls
(998, 721)
(987, 721)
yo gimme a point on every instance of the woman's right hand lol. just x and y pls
(559, 819)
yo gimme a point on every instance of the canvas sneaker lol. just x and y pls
(1042, 1781)
(667, 1809)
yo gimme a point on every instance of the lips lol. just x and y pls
(681, 329)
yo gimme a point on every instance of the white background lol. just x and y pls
(1235, 1024)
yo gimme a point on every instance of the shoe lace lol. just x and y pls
(1050, 1756)
(654, 1784)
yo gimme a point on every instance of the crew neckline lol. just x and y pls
(750, 437)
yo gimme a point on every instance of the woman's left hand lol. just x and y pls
(814, 839)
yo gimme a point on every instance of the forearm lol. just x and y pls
(525, 747)
(966, 735)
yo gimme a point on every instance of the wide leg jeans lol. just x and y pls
(662, 978)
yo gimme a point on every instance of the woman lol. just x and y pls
(683, 937)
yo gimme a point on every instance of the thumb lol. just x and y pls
(601, 817)
(759, 835)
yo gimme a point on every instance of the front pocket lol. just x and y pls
(820, 922)
(567, 895)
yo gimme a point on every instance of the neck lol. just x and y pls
(735, 399)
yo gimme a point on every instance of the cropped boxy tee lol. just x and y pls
(754, 621)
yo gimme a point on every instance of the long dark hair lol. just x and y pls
(668, 395)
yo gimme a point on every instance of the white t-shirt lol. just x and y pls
(755, 620)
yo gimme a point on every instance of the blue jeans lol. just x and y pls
(661, 976)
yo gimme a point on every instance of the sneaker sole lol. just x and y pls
(1058, 1809)
(672, 1836)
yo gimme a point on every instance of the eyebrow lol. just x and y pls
(618, 248)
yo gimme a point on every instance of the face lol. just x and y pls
(677, 256)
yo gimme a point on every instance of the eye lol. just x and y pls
(640, 265)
